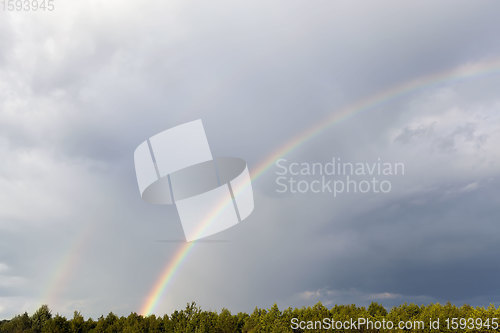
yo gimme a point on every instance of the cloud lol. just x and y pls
(331, 297)
(470, 187)
(81, 88)
(10, 281)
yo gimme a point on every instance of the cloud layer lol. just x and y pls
(82, 86)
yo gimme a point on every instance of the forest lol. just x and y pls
(318, 318)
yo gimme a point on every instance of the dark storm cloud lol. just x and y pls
(431, 244)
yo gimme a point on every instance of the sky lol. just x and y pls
(82, 86)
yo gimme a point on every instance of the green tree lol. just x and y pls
(58, 324)
(18, 324)
(376, 310)
(77, 324)
(226, 323)
(39, 318)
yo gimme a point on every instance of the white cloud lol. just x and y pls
(445, 139)
(39, 187)
(385, 295)
(330, 297)
(9, 306)
(470, 187)
(11, 281)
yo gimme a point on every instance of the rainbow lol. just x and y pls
(456, 74)
(66, 266)
(181, 254)
(63, 269)
(467, 71)
(165, 277)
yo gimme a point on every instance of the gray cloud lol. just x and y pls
(83, 86)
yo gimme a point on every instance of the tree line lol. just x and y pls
(305, 319)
